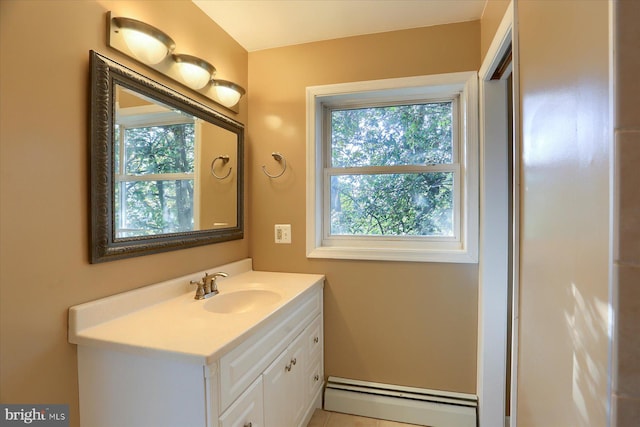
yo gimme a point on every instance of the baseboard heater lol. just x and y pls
(411, 405)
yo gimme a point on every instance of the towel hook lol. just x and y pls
(224, 159)
(280, 158)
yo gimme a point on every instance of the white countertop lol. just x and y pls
(165, 319)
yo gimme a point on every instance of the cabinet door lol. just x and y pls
(297, 392)
(284, 395)
(247, 411)
(275, 389)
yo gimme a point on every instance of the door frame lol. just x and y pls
(495, 215)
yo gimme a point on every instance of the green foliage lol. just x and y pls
(156, 206)
(418, 134)
(159, 149)
(388, 202)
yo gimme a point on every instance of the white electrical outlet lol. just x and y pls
(283, 233)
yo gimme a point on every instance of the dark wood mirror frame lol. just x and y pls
(105, 75)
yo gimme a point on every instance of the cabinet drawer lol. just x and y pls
(242, 365)
(314, 339)
(247, 411)
(314, 379)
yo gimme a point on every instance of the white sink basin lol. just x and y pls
(241, 301)
(165, 318)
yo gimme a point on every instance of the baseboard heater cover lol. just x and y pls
(411, 405)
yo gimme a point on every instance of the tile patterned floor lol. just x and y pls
(323, 418)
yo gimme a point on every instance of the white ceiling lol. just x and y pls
(264, 24)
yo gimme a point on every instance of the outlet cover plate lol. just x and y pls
(283, 233)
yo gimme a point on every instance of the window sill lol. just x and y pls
(395, 254)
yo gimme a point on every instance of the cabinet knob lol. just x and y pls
(316, 339)
(316, 377)
(247, 425)
(294, 361)
(288, 368)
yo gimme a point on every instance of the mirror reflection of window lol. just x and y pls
(154, 168)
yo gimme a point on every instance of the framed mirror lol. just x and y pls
(166, 171)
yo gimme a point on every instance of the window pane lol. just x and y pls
(419, 204)
(393, 135)
(154, 207)
(159, 149)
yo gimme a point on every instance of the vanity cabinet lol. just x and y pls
(269, 376)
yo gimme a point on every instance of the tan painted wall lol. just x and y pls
(392, 322)
(491, 17)
(44, 268)
(218, 197)
(566, 136)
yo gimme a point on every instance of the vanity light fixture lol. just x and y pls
(227, 92)
(155, 49)
(147, 43)
(196, 73)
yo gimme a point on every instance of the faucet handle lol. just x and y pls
(200, 290)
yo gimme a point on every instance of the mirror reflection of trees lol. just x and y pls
(155, 192)
(392, 170)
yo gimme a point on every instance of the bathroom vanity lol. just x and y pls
(250, 356)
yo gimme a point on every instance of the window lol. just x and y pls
(393, 169)
(154, 161)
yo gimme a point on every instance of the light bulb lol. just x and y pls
(227, 96)
(228, 93)
(146, 43)
(146, 48)
(195, 72)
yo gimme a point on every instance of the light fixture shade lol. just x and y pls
(228, 93)
(195, 72)
(147, 43)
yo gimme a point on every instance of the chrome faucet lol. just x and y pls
(207, 286)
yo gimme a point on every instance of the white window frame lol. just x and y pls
(463, 248)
